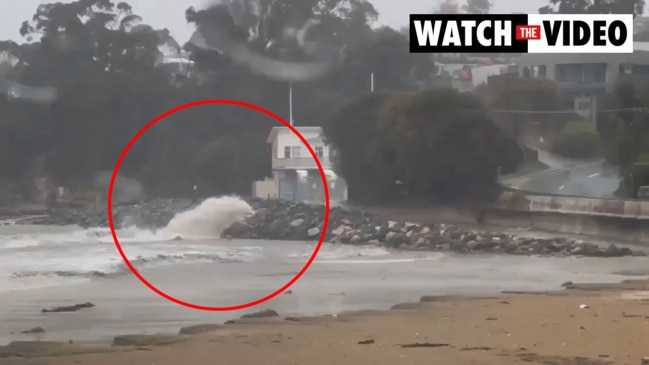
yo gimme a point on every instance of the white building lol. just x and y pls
(295, 173)
(588, 77)
(480, 74)
(588, 74)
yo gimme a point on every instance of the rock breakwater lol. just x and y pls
(279, 220)
(147, 215)
(276, 220)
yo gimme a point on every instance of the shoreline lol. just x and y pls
(334, 283)
(412, 229)
(442, 324)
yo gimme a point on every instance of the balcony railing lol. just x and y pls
(584, 89)
(298, 163)
(582, 86)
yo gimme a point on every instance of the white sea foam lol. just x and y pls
(209, 219)
(38, 256)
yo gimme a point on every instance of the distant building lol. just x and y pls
(581, 75)
(481, 75)
(295, 175)
(587, 78)
(640, 24)
(466, 71)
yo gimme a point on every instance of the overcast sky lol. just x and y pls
(170, 14)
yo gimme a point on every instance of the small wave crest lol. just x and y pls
(43, 277)
(33, 257)
(85, 236)
(383, 261)
(141, 262)
(206, 221)
(333, 252)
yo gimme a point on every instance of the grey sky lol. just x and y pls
(170, 14)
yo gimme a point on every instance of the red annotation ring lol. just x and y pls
(236, 307)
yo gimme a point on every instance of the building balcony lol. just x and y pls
(636, 78)
(300, 163)
(583, 87)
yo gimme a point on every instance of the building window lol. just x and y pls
(583, 105)
(539, 71)
(287, 152)
(640, 69)
(581, 73)
(319, 151)
(295, 150)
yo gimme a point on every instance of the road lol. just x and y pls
(568, 177)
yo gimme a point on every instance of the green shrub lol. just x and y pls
(578, 126)
(577, 145)
(643, 157)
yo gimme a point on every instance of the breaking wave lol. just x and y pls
(120, 268)
(42, 256)
(209, 219)
(206, 221)
(39, 256)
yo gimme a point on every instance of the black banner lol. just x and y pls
(466, 33)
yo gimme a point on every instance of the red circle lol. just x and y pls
(200, 307)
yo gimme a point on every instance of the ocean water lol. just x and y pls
(44, 267)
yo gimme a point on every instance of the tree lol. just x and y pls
(107, 67)
(387, 55)
(284, 40)
(635, 7)
(103, 63)
(436, 144)
(625, 133)
(447, 7)
(625, 125)
(353, 128)
(477, 6)
(578, 140)
(508, 95)
(324, 47)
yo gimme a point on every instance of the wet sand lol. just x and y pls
(125, 305)
(541, 328)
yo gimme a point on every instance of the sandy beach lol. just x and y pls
(261, 182)
(589, 324)
(342, 311)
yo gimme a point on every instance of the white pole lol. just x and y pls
(290, 103)
(593, 108)
(372, 82)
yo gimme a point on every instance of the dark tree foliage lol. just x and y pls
(625, 133)
(477, 6)
(436, 144)
(635, 7)
(108, 67)
(509, 93)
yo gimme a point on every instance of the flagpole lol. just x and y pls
(290, 103)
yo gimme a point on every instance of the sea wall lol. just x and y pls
(626, 220)
(546, 203)
(556, 161)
